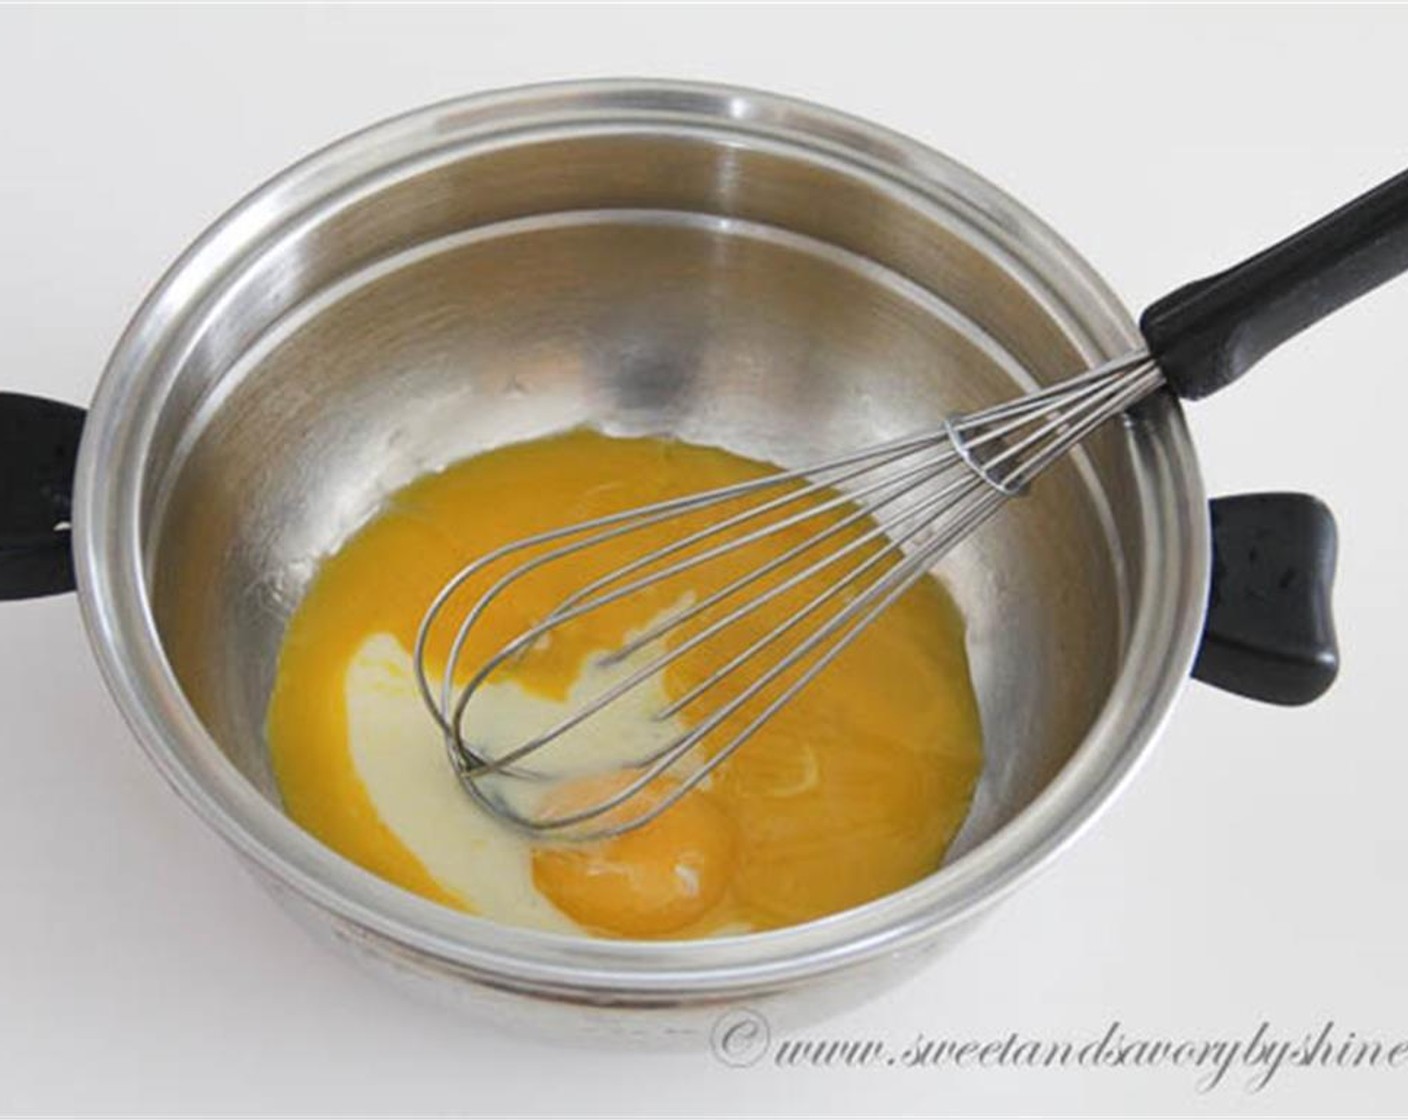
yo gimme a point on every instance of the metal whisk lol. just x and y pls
(893, 509)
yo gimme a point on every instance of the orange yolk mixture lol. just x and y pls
(851, 790)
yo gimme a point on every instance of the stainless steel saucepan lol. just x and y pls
(725, 266)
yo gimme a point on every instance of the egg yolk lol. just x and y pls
(851, 790)
(650, 881)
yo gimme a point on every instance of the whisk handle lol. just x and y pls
(1208, 333)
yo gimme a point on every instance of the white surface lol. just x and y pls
(1253, 871)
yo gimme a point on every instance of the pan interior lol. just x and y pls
(400, 332)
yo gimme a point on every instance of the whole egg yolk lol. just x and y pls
(647, 882)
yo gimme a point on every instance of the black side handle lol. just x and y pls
(1270, 631)
(38, 450)
(1208, 333)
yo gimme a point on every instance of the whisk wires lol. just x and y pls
(806, 559)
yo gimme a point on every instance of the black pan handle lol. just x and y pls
(38, 449)
(1208, 333)
(1270, 630)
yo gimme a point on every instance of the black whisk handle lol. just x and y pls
(1208, 333)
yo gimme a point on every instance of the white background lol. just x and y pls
(1253, 871)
